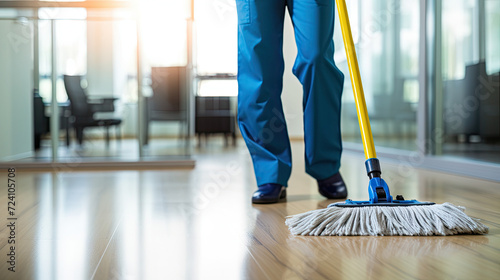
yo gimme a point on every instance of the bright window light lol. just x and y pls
(216, 36)
(62, 13)
(218, 88)
(163, 31)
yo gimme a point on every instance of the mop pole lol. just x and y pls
(359, 97)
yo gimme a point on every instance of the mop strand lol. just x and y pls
(438, 219)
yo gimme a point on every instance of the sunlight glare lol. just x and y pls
(163, 31)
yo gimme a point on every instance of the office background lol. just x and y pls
(430, 71)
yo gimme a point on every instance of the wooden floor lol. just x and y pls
(200, 224)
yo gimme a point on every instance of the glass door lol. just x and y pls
(466, 100)
(386, 37)
(89, 57)
(77, 79)
(166, 78)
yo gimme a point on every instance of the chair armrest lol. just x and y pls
(102, 104)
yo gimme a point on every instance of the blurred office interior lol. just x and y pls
(154, 82)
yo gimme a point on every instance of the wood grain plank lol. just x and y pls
(200, 224)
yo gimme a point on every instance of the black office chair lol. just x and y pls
(472, 104)
(40, 120)
(215, 115)
(83, 111)
(169, 99)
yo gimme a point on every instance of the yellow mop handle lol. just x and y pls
(359, 97)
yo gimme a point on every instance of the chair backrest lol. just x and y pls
(213, 105)
(169, 98)
(455, 92)
(79, 105)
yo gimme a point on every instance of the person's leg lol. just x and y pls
(260, 80)
(322, 84)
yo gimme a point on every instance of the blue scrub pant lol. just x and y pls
(260, 81)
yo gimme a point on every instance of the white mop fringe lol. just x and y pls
(438, 219)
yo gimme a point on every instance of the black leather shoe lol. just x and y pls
(269, 193)
(333, 187)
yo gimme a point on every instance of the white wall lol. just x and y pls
(16, 86)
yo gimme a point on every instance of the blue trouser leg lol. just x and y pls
(260, 80)
(322, 83)
(260, 72)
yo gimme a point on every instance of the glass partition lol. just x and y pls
(467, 99)
(167, 76)
(492, 33)
(16, 80)
(118, 66)
(95, 60)
(386, 35)
(86, 57)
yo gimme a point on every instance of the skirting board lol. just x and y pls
(17, 157)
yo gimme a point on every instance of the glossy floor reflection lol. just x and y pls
(199, 224)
